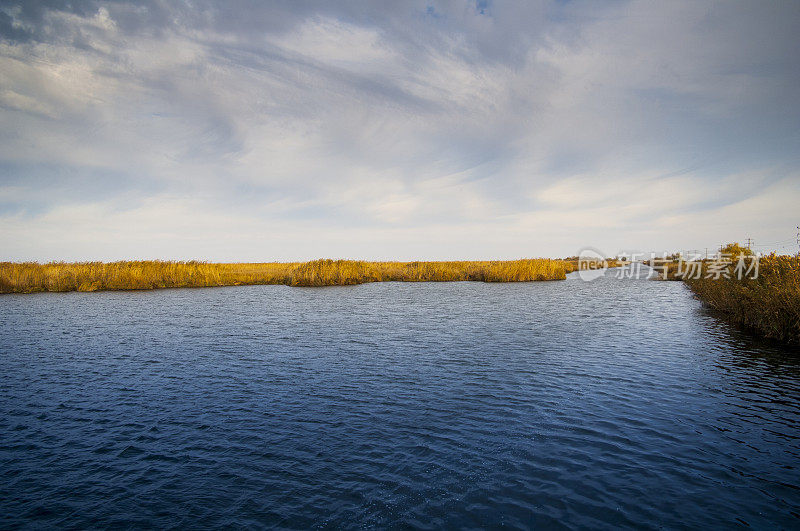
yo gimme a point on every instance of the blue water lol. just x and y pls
(615, 403)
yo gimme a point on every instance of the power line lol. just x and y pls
(779, 242)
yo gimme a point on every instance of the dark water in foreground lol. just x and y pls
(604, 404)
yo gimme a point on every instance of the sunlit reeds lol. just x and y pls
(768, 304)
(341, 272)
(30, 277)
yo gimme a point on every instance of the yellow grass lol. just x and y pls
(30, 277)
(768, 304)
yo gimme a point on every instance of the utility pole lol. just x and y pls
(749, 242)
(707, 252)
(798, 240)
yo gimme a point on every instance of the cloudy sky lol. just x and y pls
(291, 130)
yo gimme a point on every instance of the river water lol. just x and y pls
(604, 404)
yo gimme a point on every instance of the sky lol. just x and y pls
(293, 130)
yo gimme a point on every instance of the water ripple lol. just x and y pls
(565, 404)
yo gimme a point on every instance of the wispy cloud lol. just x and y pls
(233, 130)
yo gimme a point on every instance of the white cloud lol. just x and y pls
(395, 133)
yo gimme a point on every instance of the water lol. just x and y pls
(615, 403)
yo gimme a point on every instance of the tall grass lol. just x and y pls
(768, 304)
(30, 277)
(342, 272)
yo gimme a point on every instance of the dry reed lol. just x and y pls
(768, 304)
(30, 277)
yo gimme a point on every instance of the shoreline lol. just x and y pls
(767, 306)
(33, 277)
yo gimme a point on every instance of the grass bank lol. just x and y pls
(765, 300)
(769, 304)
(29, 277)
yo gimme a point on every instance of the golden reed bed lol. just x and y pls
(28, 277)
(768, 305)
